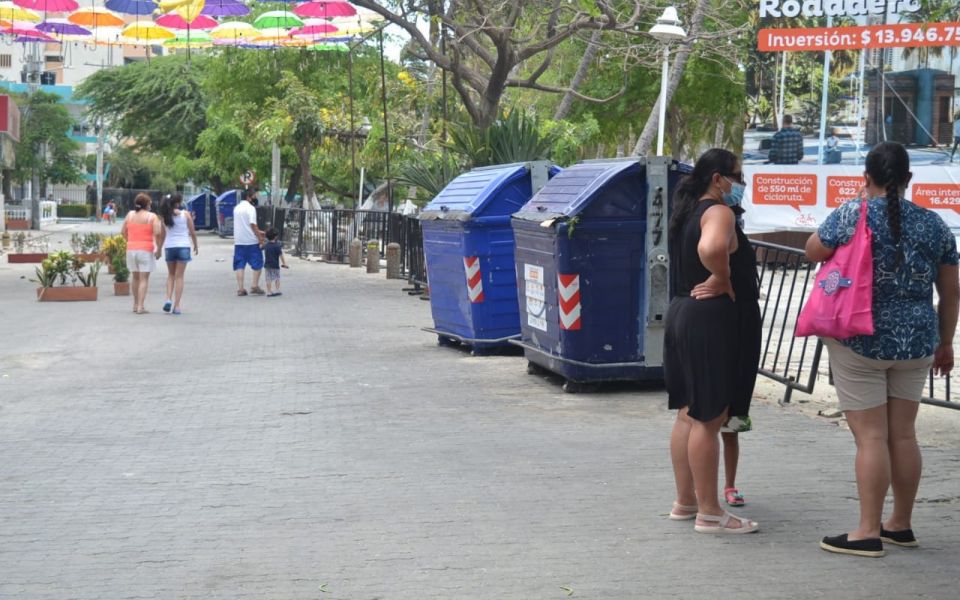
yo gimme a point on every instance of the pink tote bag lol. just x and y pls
(841, 303)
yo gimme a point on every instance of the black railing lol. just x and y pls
(785, 277)
(413, 262)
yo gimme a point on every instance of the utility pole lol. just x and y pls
(101, 135)
(32, 69)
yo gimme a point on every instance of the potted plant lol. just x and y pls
(114, 247)
(121, 277)
(88, 247)
(67, 270)
(21, 243)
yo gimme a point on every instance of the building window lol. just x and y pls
(6, 61)
(54, 59)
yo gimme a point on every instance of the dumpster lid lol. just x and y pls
(572, 190)
(472, 191)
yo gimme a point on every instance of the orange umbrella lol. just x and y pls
(96, 17)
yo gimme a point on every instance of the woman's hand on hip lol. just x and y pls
(713, 287)
(943, 359)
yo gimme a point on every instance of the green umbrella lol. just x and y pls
(277, 19)
(328, 48)
(196, 38)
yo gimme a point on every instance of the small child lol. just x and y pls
(273, 258)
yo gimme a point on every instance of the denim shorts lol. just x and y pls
(177, 254)
(247, 254)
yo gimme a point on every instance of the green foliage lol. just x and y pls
(63, 266)
(430, 173)
(121, 273)
(517, 137)
(115, 246)
(46, 123)
(89, 279)
(73, 211)
(87, 243)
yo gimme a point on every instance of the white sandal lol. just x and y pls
(691, 510)
(746, 526)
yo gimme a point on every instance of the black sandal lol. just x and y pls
(871, 547)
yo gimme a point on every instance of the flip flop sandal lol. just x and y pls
(167, 306)
(733, 496)
(690, 510)
(719, 524)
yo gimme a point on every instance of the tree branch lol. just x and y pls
(560, 90)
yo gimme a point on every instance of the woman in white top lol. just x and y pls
(177, 235)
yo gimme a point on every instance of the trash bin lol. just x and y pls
(204, 209)
(468, 247)
(593, 271)
(225, 204)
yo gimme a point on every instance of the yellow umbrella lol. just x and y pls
(101, 36)
(95, 17)
(234, 30)
(187, 9)
(145, 31)
(11, 12)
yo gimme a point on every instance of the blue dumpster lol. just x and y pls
(204, 209)
(592, 271)
(468, 247)
(225, 203)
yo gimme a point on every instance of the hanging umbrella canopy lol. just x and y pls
(197, 39)
(325, 9)
(95, 17)
(224, 8)
(11, 12)
(175, 21)
(314, 27)
(145, 31)
(132, 7)
(188, 9)
(272, 34)
(277, 18)
(329, 48)
(101, 36)
(26, 29)
(233, 30)
(62, 27)
(48, 5)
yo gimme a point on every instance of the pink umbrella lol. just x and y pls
(175, 21)
(22, 29)
(314, 27)
(48, 5)
(325, 9)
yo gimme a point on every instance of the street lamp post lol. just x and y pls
(666, 30)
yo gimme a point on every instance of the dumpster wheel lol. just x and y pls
(578, 387)
(535, 369)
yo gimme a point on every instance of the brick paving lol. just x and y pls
(321, 446)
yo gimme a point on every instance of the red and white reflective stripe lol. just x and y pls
(471, 264)
(569, 292)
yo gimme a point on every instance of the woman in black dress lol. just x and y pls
(712, 342)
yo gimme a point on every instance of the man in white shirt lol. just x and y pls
(247, 243)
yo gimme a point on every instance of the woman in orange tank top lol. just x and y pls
(141, 229)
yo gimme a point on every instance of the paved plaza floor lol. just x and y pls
(319, 445)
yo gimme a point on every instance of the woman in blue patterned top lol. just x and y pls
(879, 378)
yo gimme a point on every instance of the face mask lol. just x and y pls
(735, 196)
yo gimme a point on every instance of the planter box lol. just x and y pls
(91, 258)
(18, 224)
(121, 288)
(66, 294)
(27, 257)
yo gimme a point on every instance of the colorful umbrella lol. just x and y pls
(314, 27)
(146, 31)
(224, 8)
(95, 17)
(48, 5)
(25, 29)
(61, 27)
(188, 9)
(277, 18)
(175, 21)
(233, 30)
(272, 34)
(11, 12)
(325, 9)
(132, 7)
(194, 40)
(329, 48)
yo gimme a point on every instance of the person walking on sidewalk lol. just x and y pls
(274, 259)
(712, 336)
(247, 243)
(177, 238)
(141, 230)
(879, 378)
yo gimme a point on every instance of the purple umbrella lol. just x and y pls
(224, 8)
(62, 28)
(132, 7)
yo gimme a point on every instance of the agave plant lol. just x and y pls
(516, 137)
(431, 173)
(89, 279)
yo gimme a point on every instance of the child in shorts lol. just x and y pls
(273, 259)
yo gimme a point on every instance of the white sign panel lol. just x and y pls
(535, 296)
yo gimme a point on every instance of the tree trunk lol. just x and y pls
(567, 102)
(309, 195)
(293, 185)
(676, 75)
(718, 134)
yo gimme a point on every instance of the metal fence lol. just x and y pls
(786, 277)
(327, 233)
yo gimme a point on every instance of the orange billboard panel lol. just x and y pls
(842, 188)
(938, 196)
(901, 35)
(785, 189)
